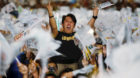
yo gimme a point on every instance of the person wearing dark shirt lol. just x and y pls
(13, 71)
(24, 58)
(70, 52)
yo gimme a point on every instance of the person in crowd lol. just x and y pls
(25, 58)
(70, 52)
(29, 71)
(52, 67)
(64, 73)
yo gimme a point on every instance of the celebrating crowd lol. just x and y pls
(63, 52)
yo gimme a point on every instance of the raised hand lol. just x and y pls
(50, 8)
(32, 67)
(22, 68)
(95, 11)
(84, 62)
(52, 20)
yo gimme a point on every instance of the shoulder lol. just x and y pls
(59, 35)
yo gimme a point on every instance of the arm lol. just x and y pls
(52, 21)
(25, 76)
(33, 69)
(23, 70)
(35, 74)
(92, 20)
(84, 62)
(4, 32)
(18, 36)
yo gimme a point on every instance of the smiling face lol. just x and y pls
(68, 25)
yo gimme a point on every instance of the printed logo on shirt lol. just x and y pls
(67, 38)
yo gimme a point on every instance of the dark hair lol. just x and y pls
(69, 15)
(99, 41)
(50, 74)
(50, 61)
(14, 13)
(65, 71)
(39, 62)
(24, 59)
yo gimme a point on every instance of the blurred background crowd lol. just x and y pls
(72, 3)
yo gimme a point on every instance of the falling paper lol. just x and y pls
(84, 70)
(33, 25)
(8, 8)
(47, 46)
(5, 54)
(17, 60)
(85, 35)
(86, 38)
(10, 27)
(106, 4)
(120, 36)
